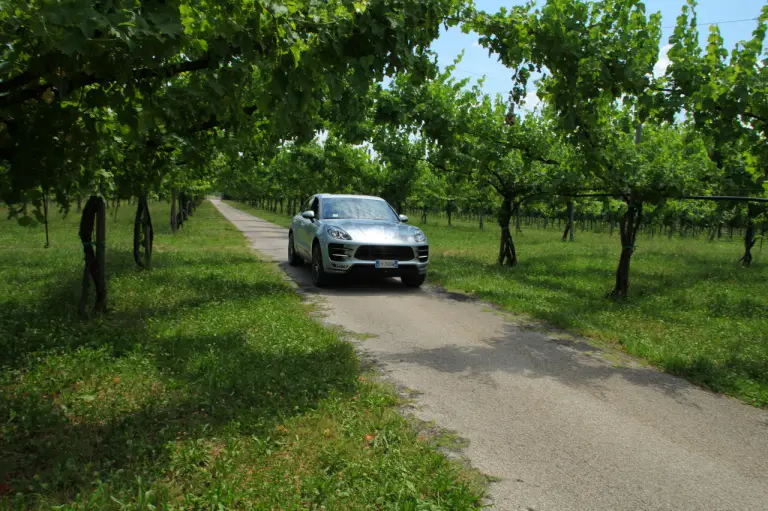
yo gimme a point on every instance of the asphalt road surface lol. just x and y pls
(561, 426)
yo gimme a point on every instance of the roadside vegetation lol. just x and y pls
(195, 378)
(695, 312)
(205, 385)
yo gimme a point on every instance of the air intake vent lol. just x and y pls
(338, 252)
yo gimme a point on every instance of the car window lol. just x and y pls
(316, 207)
(358, 208)
(306, 206)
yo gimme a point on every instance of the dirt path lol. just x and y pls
(563, 428)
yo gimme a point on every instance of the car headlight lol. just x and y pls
(338, 234)
(419, 237)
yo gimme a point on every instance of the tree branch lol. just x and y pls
(499, 190)
(80, 80)
(755, 117)
(425, 160)
(531, 195)
(502, 188)
(215, 122)
(525, 150)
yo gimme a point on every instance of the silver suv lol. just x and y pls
(343, 234)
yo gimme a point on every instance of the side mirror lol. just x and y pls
(403, 218)
(309, 215)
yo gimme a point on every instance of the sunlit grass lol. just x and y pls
(206, 386)
(693, 309)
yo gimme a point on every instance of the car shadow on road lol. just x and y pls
(346, 285)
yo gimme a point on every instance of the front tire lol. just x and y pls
(319, 277)
(414, 280)
(294, 259)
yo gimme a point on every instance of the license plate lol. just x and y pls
(386, 264)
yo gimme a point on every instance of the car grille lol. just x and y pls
(373, 252)
(423, 254)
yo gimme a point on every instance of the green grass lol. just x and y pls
(206, 385)
(693, 310)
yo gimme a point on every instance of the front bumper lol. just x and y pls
(351, 257)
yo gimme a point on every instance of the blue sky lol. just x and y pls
(477, 63)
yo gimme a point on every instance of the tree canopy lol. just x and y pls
(282, 99)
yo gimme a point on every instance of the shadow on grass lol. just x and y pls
(548, 274)
(205, 382)
(30, 326)
(248, 391)
(47, 324)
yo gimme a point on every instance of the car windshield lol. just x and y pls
(358, 208)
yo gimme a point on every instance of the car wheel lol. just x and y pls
(319, 277)
(294, 259)
(414, 280)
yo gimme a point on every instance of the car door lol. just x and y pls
(303, 235)
(312, 224)
(299, 225)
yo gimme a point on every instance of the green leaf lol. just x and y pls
(170, 28)
(279, 9)
(26, 221)
(74, 42)
(296, 55)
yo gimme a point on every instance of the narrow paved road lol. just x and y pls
(560, 426)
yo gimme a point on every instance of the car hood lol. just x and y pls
(376, 231)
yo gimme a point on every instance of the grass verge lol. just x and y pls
(693, 310)
(206, 386)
